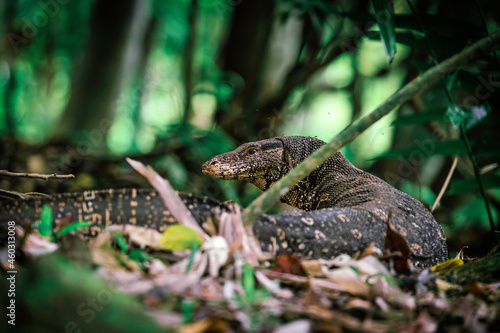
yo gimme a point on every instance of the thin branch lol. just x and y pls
(430, 77)
(462, 130)
(445, 184)
(479, 181)
(35, 175)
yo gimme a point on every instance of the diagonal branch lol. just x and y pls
(429, 78)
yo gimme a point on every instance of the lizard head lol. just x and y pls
(259, 163)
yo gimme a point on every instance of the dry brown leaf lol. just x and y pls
(358, 303)
(214, 325)
(391, 293)
(288, 263)
(350, 280)
(169, 196)
(313, 267)
(394, 242)
(370, 250)
(67, 220)
(141, 236)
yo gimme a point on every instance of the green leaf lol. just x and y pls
(356, 270)
(139, 256)
(188, 308)
(122, 243)
(74, 226)
(456, 114)
(45, 226)
(428, 148)
(469, 116)
(248, 282)
(436, 114)
(384, 15)
(179, 237)
(435, 23)
(194, 248)
(443, 46)
(470, 184)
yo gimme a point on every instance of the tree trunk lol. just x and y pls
(100, 77)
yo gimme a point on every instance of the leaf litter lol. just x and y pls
(193, 281)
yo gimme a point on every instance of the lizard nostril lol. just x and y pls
(213, 163)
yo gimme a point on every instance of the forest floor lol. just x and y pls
(131, 279)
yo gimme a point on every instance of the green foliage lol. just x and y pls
(188, 307)
(384, 14)
(467, 117)
(45, 226)
(446, 148)
(470, 184)
(121, 242)
(82, 301)
(248, 282)
(194, 248)
(434, 114)
(74, 226)
(139, 256)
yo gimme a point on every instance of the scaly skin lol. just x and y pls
(142, 207)
(343, 209)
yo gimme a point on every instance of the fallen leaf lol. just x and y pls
(171, 199)
(141, 236)
(67, 220)
(394, 242)
(447, 265)
(178, 238)
(349, 279)
(214, 325)
(358, 303)
(36, 245)
(370, 250)
(289, 263)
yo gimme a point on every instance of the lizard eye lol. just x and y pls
(251, 151)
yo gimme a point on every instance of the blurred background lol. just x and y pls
(84, 84)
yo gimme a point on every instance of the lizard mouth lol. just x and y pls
(221, 170)
(214, 169)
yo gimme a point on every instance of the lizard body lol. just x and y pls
(142, 207)
(342, 209)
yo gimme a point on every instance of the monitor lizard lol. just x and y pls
(342, 209)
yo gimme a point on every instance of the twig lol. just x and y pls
(171, 199)
(445, 184)
(35, 175)
(430, 77)
(477, 174)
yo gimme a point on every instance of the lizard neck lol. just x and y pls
(334, 183)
